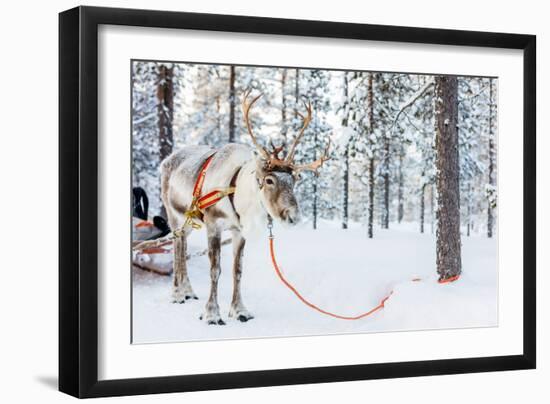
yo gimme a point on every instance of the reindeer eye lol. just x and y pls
(269, 181)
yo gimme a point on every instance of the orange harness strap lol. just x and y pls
(328, 313)
(200, 203)
(211, 198)
(200, 179)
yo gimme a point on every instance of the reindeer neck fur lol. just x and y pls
(248, 200)
(249, 210)
(251, 215)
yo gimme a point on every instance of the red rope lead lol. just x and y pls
(449, 280)
(328, 313)
(313, 306)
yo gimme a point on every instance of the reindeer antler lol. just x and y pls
(246, 110)
(315, 165)
(305, 122)
(276, 150)
(272, 158)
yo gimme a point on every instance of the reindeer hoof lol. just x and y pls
(212, 318)
(243, 319)
(240, 313)
(214, 322)
(180, 295)
(183, 299)
(178, 300)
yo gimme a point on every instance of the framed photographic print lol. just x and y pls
(250, 201)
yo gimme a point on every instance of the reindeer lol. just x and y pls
(264, 187)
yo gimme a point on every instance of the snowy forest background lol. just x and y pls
(382, 168)
(406, 149)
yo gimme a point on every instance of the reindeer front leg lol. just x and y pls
(212, 310)
(237, 309)
(182, 289)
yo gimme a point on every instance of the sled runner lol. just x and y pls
(150, 259)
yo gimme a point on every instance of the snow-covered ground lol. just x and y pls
(340, 271)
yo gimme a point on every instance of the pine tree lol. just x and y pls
(448, 247)
(345, 146)
(470, 126)
(366, 145)
(414, 121)
(156, 96)
(284, 127)
(232, 101)
(313, 85)
(383, 113)
(384, 156)
(207, 119)
(400, 179)
(145, 140)
(372, 143)
(165, 109)
(491, 187)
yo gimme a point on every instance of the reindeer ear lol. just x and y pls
(261, 164)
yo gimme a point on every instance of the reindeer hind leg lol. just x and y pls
(182, 289)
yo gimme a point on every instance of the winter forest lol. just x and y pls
(382, 167)
(405, 149)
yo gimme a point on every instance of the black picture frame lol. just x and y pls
(78, 193)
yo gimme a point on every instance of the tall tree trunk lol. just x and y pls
(165, 112)
(422, 206)
(447, 165)
(315, 178)
(218, 114)
(345, 193)
(284, 127)
(296, 93)
(400, 209)
(432, 207)
(491, 168)
(232, 104)
(345, 211)
(386, 197)
(370, 106)
(468, 210)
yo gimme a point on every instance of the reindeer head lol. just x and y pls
(277, 176)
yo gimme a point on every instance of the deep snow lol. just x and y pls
(340, 271)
